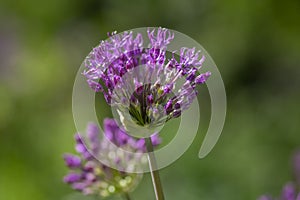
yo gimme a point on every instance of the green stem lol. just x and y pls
(154, 173)
(126, 196)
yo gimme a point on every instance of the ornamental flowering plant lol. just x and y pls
(92, 177)
(146, 85)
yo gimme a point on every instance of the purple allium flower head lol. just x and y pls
(147, 83)
(89, 175)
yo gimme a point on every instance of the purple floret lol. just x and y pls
(72, 161)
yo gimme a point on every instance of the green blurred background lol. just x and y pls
(255, 44)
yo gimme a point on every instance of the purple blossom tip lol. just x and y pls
(97, 87)
(92, 131)
(79, 186)
(150, 99)
(177, 113)
(72, 161)
(202, 78)
(72, 178)
(156, 140)
(177, 105)
(168, 88)
(78, 138)
(80, 148)
(169, 106)
(162, 37)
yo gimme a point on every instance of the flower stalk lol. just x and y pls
(126, 196)
(154, 173)
(146, 85)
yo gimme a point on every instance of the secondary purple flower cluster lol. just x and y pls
(152, 97)
(289, 191)
(91, 176)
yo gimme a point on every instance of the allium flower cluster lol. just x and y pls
(90, 176)
(151, 84)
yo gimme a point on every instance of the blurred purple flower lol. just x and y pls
(90, 176)
(151, 97)
(288, 193)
